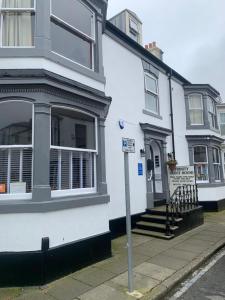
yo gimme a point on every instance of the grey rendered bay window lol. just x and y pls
(73, 151)
(196, 109)
(74, 22)
(17, 23)
(15, 147)
(151, 94)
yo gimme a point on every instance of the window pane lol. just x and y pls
(15, 123)
(17, 3)
(151, 84)
(151, 102)
(77, 49)
(134, 36)
(75, 14)
(196, 117)
(133, 25)
(217, 172)
(200, 154)
(211, 106)
(72, 129)
(222, 129)
(222, 118)
(18, 29)
(195, 101)
(201, 172)
(216, 157)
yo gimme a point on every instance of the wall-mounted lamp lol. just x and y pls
(142, 152)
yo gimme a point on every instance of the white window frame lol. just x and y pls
(22, 196)
(212, 114)
(217, 163)
(25, 9)
(203, 163)
(198, 109)
(221, 123)
(152, 92)
(91, 39)
(131, 20)
(80, 191)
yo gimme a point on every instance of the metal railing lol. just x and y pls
(183, 199)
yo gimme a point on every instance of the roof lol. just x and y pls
(113, 30)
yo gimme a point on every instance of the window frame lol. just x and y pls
(78, 33)
(79, 191)
(20, 196)
(217, 163)
(196, 109)
(24, 9)
(152, 92)
(212, 114)
(203, 163)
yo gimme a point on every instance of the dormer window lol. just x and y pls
(17, 23)
(196, 109)
(74, 22)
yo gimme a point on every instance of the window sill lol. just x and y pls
(152, 114)
(55, 204)
(75, 192)
(211, 184)
(5, 197)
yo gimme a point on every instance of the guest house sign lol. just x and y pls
(183, 175)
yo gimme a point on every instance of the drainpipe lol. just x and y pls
(171, 112)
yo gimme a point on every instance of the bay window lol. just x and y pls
(73, 151)
(216, 164)
(15, 147)
(151, 94)
(212, 113)
(201, 163)
(74, 22)
(196, 109)
(17, 23)
(222, 123)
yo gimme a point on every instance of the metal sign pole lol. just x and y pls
(128, 223)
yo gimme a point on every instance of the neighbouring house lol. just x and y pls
(72, 85)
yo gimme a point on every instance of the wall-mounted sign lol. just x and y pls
(183, 175)
(140, 169)
(128, 145)
(2, 188)
(121, 124)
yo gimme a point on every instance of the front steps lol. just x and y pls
(153, 223)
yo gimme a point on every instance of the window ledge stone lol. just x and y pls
(211, 185)
(147, 112)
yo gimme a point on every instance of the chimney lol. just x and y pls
(153, 49)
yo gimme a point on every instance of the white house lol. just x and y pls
(69, 82)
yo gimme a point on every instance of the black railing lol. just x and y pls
(183, 199)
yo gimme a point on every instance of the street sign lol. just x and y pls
(140, 169)
(128, 145)
(183, 175)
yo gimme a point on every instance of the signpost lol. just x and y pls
(183, 175)
(128, 146)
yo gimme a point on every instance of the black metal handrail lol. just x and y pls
(183, 199)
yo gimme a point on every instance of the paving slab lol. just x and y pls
(181, 254)
(207, 237)
(67, 289)
(190, 247)
(142, 283)
(9, 293)
(154, 271)
(93, 276)
(168, 262)
(105, 292)
(37, 295)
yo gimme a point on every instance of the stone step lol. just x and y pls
(154, 226)
(155, 234)
(158, 218)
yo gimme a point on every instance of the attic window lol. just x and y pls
(133, 26)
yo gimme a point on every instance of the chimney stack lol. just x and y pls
(152, 48)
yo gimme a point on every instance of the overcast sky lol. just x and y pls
(190, 32)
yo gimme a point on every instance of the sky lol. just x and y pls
(191, 34)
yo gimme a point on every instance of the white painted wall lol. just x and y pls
(42, 63)
(211, 193)
(23, 232)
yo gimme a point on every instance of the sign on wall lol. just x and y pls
(140, 169)
(128, 145)
(183, 175)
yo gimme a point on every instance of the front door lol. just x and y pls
(154, 174)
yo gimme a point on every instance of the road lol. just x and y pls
(207, 283)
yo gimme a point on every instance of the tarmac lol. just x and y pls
(159, 265)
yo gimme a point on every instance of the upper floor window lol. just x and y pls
(74, 22)
(222, 123)
(196, 109)
(212, 113)
(216, 164)
(201, 163)
(133, 29)
(151, 91)
(17, 23)
(15, 147)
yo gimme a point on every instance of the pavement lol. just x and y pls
(158, 266)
